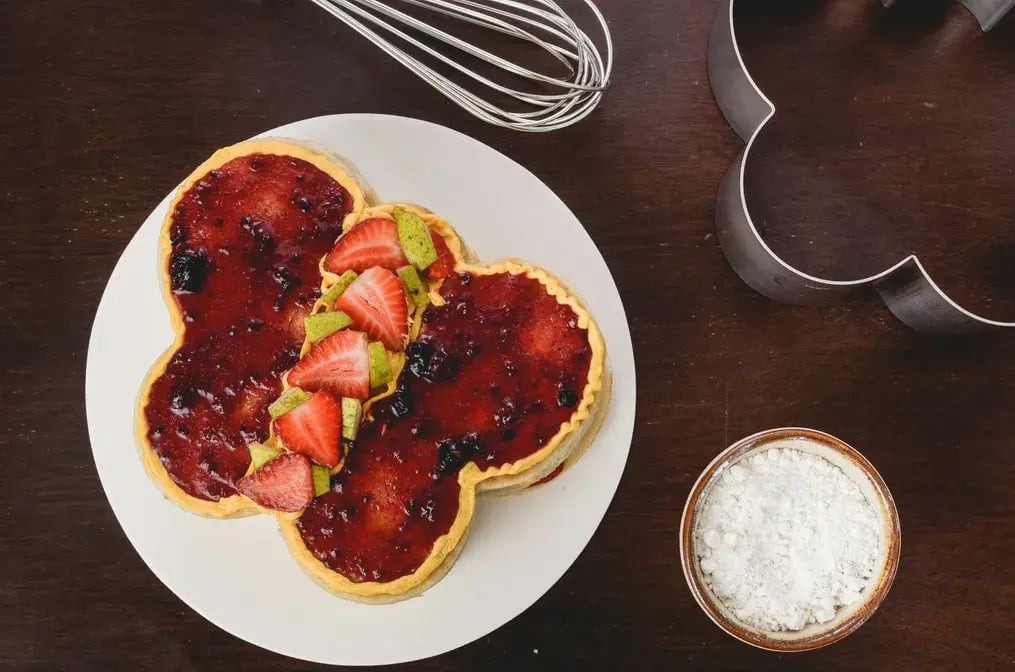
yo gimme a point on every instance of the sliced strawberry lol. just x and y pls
(372, 242)
(314, 428)
(285, 483)
(376, 303)
(445, 263)
(339, 363)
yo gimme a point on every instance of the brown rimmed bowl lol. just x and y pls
(848, 618)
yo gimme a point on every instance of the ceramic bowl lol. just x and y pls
(847, 618)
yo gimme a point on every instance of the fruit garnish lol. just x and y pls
(372, 242)
(260, 454)
(314, 428)
(188, 271)
(340, 286)
(414, 235)
(352, 413)
(445, 264)
(380, 369)
(289, 400)
(414, 286)
(283, 484)
(338, 363)
(376, 304)
(322, 479)
(324, 324)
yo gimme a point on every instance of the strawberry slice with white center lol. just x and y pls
(376, 303)
(445, 263)
(372, 242)
(339, 363)
(314, 428)
(285, 483)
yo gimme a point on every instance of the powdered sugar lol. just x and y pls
(784, 538)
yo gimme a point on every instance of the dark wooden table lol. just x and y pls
(898, 124)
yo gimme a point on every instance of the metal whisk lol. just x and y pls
(548, 102)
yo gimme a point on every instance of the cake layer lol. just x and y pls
(241, 244)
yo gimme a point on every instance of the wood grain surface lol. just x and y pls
(106, 105)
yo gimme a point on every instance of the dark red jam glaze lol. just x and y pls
(494, 373)
(247, 239)
(550, 476)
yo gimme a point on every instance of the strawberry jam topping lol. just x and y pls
(246, 242)
(494, 373)
(550, 476)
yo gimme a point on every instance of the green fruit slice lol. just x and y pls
(324, 324)
(322, 479)
(380, 370)
(340, 286)
(414, 286)
(260, 454)
(414, 236)
(352, 413)
(289, 400)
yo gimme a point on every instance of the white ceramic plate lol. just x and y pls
(238, 573)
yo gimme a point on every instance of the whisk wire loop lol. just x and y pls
(549, 102)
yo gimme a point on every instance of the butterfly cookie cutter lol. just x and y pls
(906, 288)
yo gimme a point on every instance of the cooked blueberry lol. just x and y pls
(443, 365)
(453, 454)
(417, 356)
(303, 203)
(256, 163)
(567, 398)
(255, 324)
(401, 403)
(284, 278)
(188, 271)
(203, 189)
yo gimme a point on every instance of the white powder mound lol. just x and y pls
(784, 538)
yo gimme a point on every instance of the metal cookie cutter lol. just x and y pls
(906, 288)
